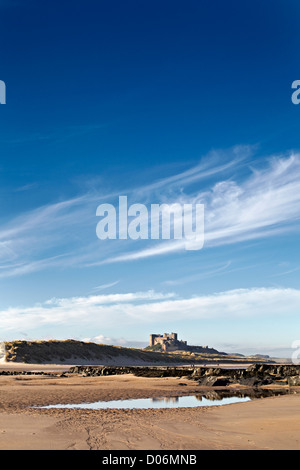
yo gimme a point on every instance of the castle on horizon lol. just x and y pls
(169, 342)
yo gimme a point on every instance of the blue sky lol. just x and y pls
(165, 101)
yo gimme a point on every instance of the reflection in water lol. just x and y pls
(206, 399)
(165, 400)
(252, 394)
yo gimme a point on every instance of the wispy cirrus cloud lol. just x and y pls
(105, 286)
(213, 164)
(242, 203)
(265, 203)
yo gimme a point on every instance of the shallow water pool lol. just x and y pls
(154, 403)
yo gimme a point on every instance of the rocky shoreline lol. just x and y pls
(254, 375)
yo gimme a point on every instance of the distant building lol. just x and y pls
(170, 342)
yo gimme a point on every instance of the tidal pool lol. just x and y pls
(155, 403)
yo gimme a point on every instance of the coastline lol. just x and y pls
(264, 423)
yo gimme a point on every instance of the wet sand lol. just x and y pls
(268, 423)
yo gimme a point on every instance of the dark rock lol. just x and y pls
(294, 381)
(254, 376)
(255, 381)
(213, 372)
(198, 372)
(216, 381)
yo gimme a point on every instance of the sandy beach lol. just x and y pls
(267, 423)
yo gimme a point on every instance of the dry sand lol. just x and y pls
(268, 423)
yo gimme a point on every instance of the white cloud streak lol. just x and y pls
(105, 286)
(265, 202)
(104, 311)
(102, 339)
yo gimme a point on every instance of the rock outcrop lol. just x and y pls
(254, 376)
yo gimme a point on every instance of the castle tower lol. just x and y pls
(151, 343)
